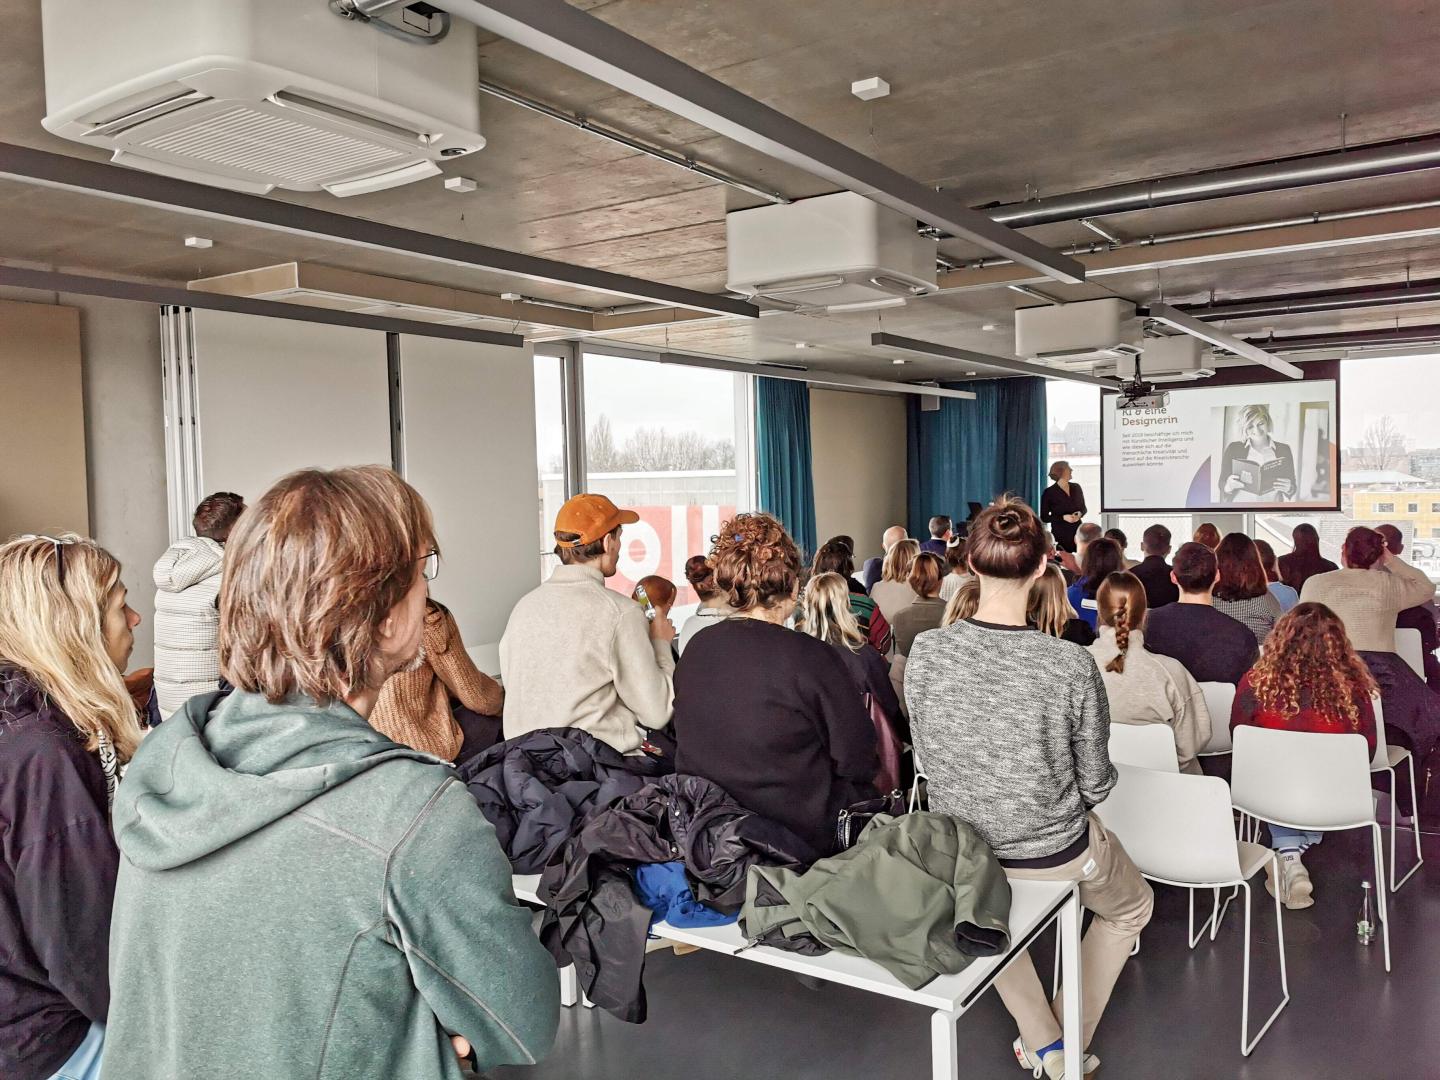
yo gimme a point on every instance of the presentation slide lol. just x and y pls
(1261, 446)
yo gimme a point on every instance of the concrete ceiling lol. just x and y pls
(989, 101)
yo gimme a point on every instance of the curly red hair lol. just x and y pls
(755, 562)
(1308, 662)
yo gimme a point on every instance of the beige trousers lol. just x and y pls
(1112, 888)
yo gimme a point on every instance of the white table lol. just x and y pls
(1034, 905)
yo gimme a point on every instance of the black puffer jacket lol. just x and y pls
(592, 916)
(537, 789)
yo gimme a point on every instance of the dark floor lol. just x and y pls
(1174, 1014)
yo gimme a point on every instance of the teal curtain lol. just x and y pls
(972, 451)
(782, 445)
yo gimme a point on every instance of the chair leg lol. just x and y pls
(1218, 914)
(1055, 981)
(1247, 1044)
(944, 1046)
(569, 986)
(1414, 824)
(1380, 905)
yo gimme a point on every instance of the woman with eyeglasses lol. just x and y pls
(415, 704)
(67, 726)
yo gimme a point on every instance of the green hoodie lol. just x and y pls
(300, 897)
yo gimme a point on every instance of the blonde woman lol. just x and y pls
(67, 725)
(828, 616)
(1049, 610)
(1144, 687)
(963, 604)
(892, 593)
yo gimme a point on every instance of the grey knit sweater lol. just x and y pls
(1012, 728)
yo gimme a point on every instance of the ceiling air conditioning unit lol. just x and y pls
(1178, 358)
(838, 252)
(253, 95)
(1081, 335)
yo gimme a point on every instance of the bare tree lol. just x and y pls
(1382, 447)
(655, 450)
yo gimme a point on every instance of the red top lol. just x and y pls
(1247, 710)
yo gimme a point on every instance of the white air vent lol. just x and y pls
(1178, 358)
(836, 252)
(1079, 335)
(258, 94)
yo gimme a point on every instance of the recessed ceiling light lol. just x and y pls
(987, 327)
(201, 242)
(803, 345)
(971, 373)
(897, 361)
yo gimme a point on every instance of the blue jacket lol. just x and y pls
(1079, 594)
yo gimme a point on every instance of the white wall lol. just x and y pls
(469, 430)
(124, 439)
(857, 444)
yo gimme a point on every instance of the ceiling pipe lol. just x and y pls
(1305, 303)
(583, 123)
(1353, 339)
(1305, 170)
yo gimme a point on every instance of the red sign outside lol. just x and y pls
(661, 541)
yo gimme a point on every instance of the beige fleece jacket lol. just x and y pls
(1367, 601)
(1155, 689)
(576, 654)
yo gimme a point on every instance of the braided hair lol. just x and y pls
(1121, 600)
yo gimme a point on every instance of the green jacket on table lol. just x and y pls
(299, 896)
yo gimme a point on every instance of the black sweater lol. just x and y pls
(773, 717)
(57, 882)
(1054, 505)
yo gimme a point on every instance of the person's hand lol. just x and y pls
(1285, 485)
(662, 629)
(1072, 518)
(461, 1045)
(1233, 484)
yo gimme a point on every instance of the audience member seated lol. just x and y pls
(1212, 646)
(659, 593)
(1305, 561)
(1013, 728)
(299, 896)
(576, 654)
(1208, 535)
(1284, 595)
(713, 608)
(835, 558)
(1124, 541)
(1144, 687)
(187, 581)
(875, 565)
(767, 713)
(966, 599)
(67, 726)
(1368, 596)
(926, 576)
(1050, 610)
(893, 593)
(414, 705)
(1085, 535)
(848, 543)
(1100, 559)
(941, 533)
(1153, 571)
(1062, 506)
(830, 617)
(1242, 591)
(1309, 679)
(1421, 617)
(957, 570)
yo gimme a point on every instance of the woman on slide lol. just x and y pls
(1258, 469)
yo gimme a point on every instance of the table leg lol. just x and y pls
(1074, 1027)
(944, 1046)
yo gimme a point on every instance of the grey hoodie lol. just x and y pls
(300, 897)
(187, 623)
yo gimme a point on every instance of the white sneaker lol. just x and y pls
(1052, 1066)
(1296, 888)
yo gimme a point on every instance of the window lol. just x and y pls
(1435, 508)
(1073, 419)
(1413, 508)
(549, 450)
(673, 444)
(1384, 508)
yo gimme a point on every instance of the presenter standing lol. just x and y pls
(1062, 506)
(1259, 469)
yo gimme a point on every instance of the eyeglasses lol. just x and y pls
(59, 554)
(432, 565)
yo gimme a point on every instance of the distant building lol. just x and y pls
(1419, 506)
(1426, 463)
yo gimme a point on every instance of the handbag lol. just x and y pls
(851, 821)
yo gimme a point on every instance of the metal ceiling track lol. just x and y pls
(33, 166)
(898, 343)
(1307, 303)
(592, 46)
(145, 292)
(1385, 337)
(1188, 324)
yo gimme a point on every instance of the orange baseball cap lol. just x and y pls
(591, 517)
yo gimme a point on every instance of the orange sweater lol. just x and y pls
(414, 706)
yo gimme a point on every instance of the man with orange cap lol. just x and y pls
(576, 654)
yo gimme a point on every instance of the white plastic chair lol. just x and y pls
(1387, 759)
(1145, 746)
(1312, 781)
(1219, 697)
(1410, 647)
(919, 778)
(1179, 830)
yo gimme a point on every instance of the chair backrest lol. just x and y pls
(1145, 746)
(1219, 697)
(1305, 779)
(1411, 648)
(1174, 826)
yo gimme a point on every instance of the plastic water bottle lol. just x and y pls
(1365, 926)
